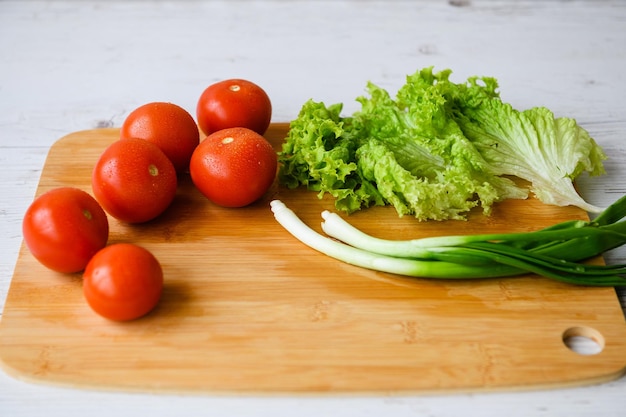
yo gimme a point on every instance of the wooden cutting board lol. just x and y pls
(248, 309)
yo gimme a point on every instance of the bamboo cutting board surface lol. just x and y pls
(248, 309)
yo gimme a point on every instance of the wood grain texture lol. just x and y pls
(247, 308)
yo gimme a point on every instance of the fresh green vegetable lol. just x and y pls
(556, 252)
(437, 150)
(359, 257)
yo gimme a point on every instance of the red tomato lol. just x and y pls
(64, 227)
(233, 167)
(134, 181)
(123, 282)
(234, 103)
(168, 126)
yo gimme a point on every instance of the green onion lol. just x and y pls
(554, 252)
(362, 258)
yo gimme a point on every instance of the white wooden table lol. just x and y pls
(68, 66)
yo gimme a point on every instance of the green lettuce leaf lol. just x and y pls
(320, 153)
(533, 145)
(436, 150)
(421, 162)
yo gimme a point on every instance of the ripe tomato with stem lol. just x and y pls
(234, 103)
(134, 181)
(64, 227)
(233, 167)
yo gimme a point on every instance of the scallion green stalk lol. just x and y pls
(553, 252)
(358, 257)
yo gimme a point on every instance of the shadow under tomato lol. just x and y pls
(176, 224)
(174, 302)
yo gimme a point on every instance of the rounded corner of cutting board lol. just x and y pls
(9, 369)
(8, 363)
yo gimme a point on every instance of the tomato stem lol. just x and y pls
(153, 170)
(87, 214)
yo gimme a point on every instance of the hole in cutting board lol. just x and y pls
(583, 340)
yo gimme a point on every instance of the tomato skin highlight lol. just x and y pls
(134, 181)
(233, 167)
(64, 227)
(123, 282)
(234, 103)
(168, 126)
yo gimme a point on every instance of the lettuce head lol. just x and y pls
(436, 150)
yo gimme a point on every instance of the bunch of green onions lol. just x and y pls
(555, 252)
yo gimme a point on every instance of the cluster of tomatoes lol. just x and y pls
(135, 180)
